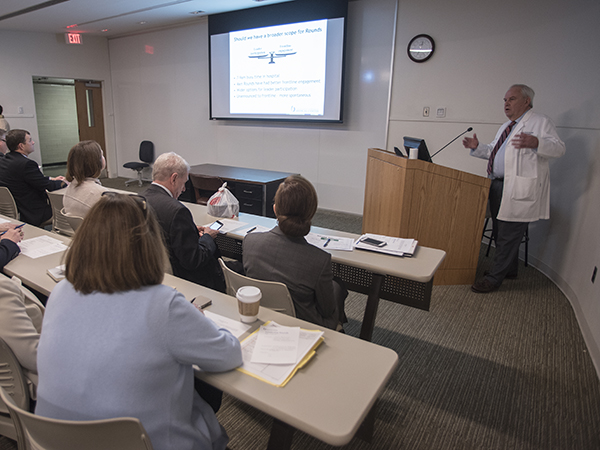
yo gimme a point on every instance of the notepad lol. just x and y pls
(279, 374)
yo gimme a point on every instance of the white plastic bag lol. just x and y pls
(223, 203)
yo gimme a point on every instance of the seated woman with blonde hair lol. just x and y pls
(283, 255)
(117, 342)
(84, 165)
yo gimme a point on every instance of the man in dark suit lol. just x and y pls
(192, 249)
(23, 178)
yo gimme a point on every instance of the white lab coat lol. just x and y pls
(526, 194)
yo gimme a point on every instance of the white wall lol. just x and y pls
(24, 55)
(163, 97)
(481, 49)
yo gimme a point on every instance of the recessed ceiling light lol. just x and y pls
(142, 23)
(197, 12)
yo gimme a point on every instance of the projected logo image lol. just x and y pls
(272, 55)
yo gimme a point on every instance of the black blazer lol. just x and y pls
(192, 257)
(28, 186)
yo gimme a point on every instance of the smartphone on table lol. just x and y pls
(375, 242)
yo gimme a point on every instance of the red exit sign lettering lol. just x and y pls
(73, 38)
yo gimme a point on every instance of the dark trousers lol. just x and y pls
(209, 394)
(508, 237)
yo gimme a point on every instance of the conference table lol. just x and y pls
(408, 281)
(330, 398)
(403, 280)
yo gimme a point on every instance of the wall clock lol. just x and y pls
(420, 48)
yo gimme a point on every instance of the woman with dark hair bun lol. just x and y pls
(283, 255)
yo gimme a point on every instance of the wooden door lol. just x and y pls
(90, 115)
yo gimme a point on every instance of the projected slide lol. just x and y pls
(278, 70)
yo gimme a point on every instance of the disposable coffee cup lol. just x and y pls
(248, 303)
(414, 153)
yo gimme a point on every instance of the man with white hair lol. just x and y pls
(192, 249)
(520, 190)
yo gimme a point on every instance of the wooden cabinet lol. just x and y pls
(254, 188)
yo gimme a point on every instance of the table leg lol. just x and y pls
(366, 331)
(367, 428)
(281, 436)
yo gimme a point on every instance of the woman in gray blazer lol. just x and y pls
(283, 255)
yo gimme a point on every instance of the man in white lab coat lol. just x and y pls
(520, 190)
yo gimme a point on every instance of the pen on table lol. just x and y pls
(15, 228)
(327, 242)
(251, 230)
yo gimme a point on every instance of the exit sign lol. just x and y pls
(73, 38)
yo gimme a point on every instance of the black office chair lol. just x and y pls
(147, 156)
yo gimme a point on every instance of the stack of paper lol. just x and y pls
(274, 353)
(41, 246)
(386, 244)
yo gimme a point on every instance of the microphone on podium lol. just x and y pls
(464, 132)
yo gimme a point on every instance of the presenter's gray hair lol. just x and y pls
(168, 164)
(526, 92)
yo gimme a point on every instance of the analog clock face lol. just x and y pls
(421, 48)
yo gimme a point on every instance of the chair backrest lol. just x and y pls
(37, 432)
(205, 186)
(60, 224)
(74, 221)
(8, 207)
(14, 383)
(275, 296)
(147, 151)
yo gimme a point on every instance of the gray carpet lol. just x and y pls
(506, 370)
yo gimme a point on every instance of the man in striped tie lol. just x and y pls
(520, 190)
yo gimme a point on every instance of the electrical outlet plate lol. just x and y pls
(426, 111)
(440, 112)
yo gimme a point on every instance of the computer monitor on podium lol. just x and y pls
(410, 142)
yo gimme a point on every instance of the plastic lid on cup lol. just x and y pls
(248, 294)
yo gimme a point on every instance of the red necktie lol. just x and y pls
(505, 134)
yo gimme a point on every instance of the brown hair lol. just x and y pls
(295, 205)
(14, 138)
(118, 247)
(84, 161)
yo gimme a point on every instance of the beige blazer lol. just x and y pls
(21, 315)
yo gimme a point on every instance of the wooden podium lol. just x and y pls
(440, 207)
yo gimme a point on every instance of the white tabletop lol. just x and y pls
(421, 267)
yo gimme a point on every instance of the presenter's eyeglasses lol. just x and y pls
(140, 200)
